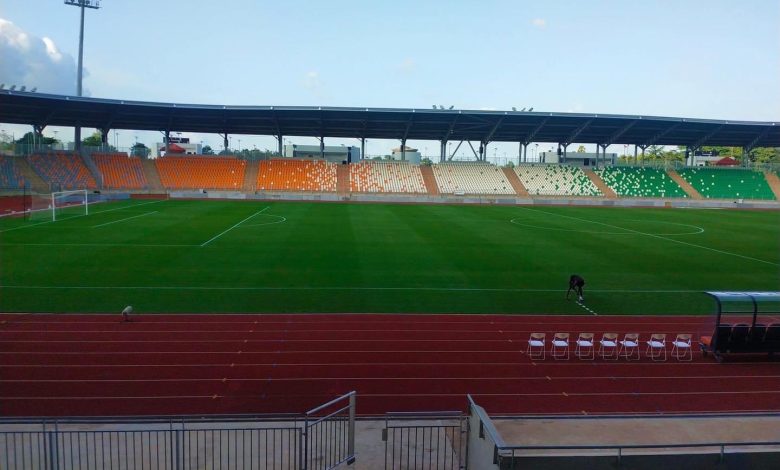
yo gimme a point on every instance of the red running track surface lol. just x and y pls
(64, 365)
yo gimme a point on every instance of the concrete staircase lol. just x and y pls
(152, 176)
(37, 184)
(342, 179)
(429, 180)
(605, 190)
(92, 167)
(774, 182)
(513, 179)
(250, 175)
(686, 186)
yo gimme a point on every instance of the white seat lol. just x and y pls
(608, 346)
(681, 347)
(656, 347)
(560, 346)
(629, 346)
(585, 347)
(536, 346)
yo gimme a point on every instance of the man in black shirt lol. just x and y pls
(576, 283)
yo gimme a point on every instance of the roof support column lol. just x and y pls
(104, 138)
(687, 155)
(442, 151)
(77, 138)
(565, 152)
(167, 139)
(362, 148)
(635, 153)
(280, 146)
(597, 156)
(322, 147)
(403, 149)
(643, 154)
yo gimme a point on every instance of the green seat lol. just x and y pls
(640, 182)
(728, 183)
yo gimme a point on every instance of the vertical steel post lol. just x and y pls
(280, 138)
(351, 444)
(362, 148)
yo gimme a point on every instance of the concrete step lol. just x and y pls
(152, 176)
(605, 190)
(429, 180)
(250, 175)
(342, 179)
(774, 182)
(686, 186)
(514, 180)
(37, 184)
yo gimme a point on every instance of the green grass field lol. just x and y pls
(223, 256)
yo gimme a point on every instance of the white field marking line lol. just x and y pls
(352, 288)
(586, 308)
(94, 244)
(283, 219)
(700, 230)
(84, 215)
(234, 226)
(126, 218)
(655, 236)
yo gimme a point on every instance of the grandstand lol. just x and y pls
(120, 171)
(386, 177)
(471, 178)
(555, 180)
(296, 175)
(63, 170)
(10, 176)
(728, 183)
(640, 182)
(221, 173)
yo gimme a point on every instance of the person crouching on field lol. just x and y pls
(576, 283)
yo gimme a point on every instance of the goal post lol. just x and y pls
(68, 204)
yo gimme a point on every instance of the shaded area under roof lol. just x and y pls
(382, 123)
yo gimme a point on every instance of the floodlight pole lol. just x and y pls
(83, 4)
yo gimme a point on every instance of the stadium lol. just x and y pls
(318, 306)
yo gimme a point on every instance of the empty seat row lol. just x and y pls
(296, 175)
(471, 178)
(120, 171)
(386, 177)
(556, 180)
(609, 347)
(65, 170)
(10, 176)
(223, 173)
(728, 183)
(742, 338)
(640, 182)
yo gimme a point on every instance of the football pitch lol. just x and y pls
(240, 256)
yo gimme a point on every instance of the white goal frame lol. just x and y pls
(58, 194)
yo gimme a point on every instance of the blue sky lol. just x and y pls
(694, 58)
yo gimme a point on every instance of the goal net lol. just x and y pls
(60, 205)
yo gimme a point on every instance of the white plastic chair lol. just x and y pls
(586, 348)
(681, 347)
(536, 346)
(560, 346)
(608, 346)
(656, 347)
(629, 347)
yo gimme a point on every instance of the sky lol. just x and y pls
(716, 59)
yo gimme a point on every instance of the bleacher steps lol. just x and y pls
(774, 182)
(152, 176)
(90, 164)
(342, 179)
(514, 180)
(605, 190)
(429, 180)
(37, 183)
(250, 175)
(686, 186)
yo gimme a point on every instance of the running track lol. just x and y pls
(57, 365)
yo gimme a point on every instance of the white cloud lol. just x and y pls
(539, 23)
(408, 65)
(34, 62)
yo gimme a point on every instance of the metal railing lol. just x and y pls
(507, 456)
(427, 441)
(322, 438)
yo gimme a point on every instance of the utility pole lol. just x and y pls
(83, 4)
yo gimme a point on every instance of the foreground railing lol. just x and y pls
(323, 438)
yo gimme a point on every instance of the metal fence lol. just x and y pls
(426, 441)
(323, 438)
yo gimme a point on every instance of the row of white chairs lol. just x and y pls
(609, 347)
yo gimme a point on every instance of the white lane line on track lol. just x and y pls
(93, 213)
(234, 226)
(126, 218)
(654, 236)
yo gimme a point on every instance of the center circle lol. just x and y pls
(279, 220)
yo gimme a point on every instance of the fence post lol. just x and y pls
(304, 450)
(351, 446)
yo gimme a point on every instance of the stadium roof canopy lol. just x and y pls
(383, 123)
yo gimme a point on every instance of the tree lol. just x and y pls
(207, 150)
(30, 139)
(140, 150)
(426, 161)
(581, 149)
(96, 140)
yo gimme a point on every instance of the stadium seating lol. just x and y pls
(63, 170)
(640, 182)
(225, 173)
(728, 183)
(471, 178)
(120, 171)
(10, 177)
(386, 177)
(296, 175)
(556, 180)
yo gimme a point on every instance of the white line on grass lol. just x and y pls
(654, 236)
(231, 228)
(586, 308)
(98, 244)
(83, 215)
(126, 218)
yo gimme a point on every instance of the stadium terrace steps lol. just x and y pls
(152, 176)
(773, 181)
(632, 181)
(90, 164)
(514, 180)
(250, 175)
(686, 186)
(600, 184)
(10, 176)
(342, 178)
(386, 177)
(119, 171)
(287, 174)
(62, 170)
(215, 173)
(429, 180)
(555, 180)
(37, 183)
(471, 178)
(728, 183)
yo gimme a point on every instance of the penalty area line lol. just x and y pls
(234, 226)
(126, 218)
